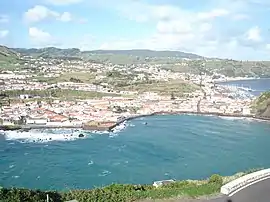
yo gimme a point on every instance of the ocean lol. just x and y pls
(168, 147)
(257, 85)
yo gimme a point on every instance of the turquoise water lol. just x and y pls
(180, 147)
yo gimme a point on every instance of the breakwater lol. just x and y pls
(190, 112)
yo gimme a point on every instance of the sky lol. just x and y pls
(234, 29)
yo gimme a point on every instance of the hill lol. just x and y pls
(49, 52)
(7, 55)
(114, 56)
(146, 53)
(262, 105)
(172, 60)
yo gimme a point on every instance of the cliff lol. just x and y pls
(262, 105)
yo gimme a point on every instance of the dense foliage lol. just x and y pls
(123, 192)
(117, 192)
(262, 105)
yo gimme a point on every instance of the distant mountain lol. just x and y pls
(74, 52)
(7, 54)
(49, 52)
(146, 53)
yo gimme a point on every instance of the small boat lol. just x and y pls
(145, 123)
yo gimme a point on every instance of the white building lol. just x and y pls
(36, 120)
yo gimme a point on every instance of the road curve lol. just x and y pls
(258, 192)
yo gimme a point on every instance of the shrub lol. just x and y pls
(26, 195)
(215, 179)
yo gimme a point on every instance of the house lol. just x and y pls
(7, 122)
(36, 120)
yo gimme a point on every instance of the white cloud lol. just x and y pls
(4, 19)
(213, 14)
(39, 13)
(254, 34)
(39, 37)
(205, 27)
(3, 33)
(212, 31)
(173, 27)
(241, 17)
(65, 17)
(63, 2)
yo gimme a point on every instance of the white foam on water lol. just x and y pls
(41, 136)
(120, 127)
(100, 132)
(236, 118)
(48, 135)
(90, 163)
(104, 173)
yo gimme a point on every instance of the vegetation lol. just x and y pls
(105, 55)
(168, 59)
(175, 87)
(124, 192)
(49, 52)
(77, 77)
(116, 192)
(59, 93)
(261, 105)
(7, 56)
(231, 68)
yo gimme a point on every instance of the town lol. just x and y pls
(75, 93)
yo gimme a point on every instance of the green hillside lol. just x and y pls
(262, 105)
(8, 55)
(114, 56)
(172, 60)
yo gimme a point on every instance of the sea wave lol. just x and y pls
(236, 118)
(42, 136)
(48, 135)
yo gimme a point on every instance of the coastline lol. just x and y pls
(111, 127)
(254, 117)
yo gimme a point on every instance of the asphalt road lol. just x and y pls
(259, 192)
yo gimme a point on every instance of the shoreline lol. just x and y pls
(254, 117)
(110, 128)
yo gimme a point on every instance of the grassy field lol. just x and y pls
(177, 87)
(79, 77)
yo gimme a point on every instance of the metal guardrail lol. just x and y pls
(244, 181)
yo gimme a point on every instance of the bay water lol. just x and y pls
(169, 146)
